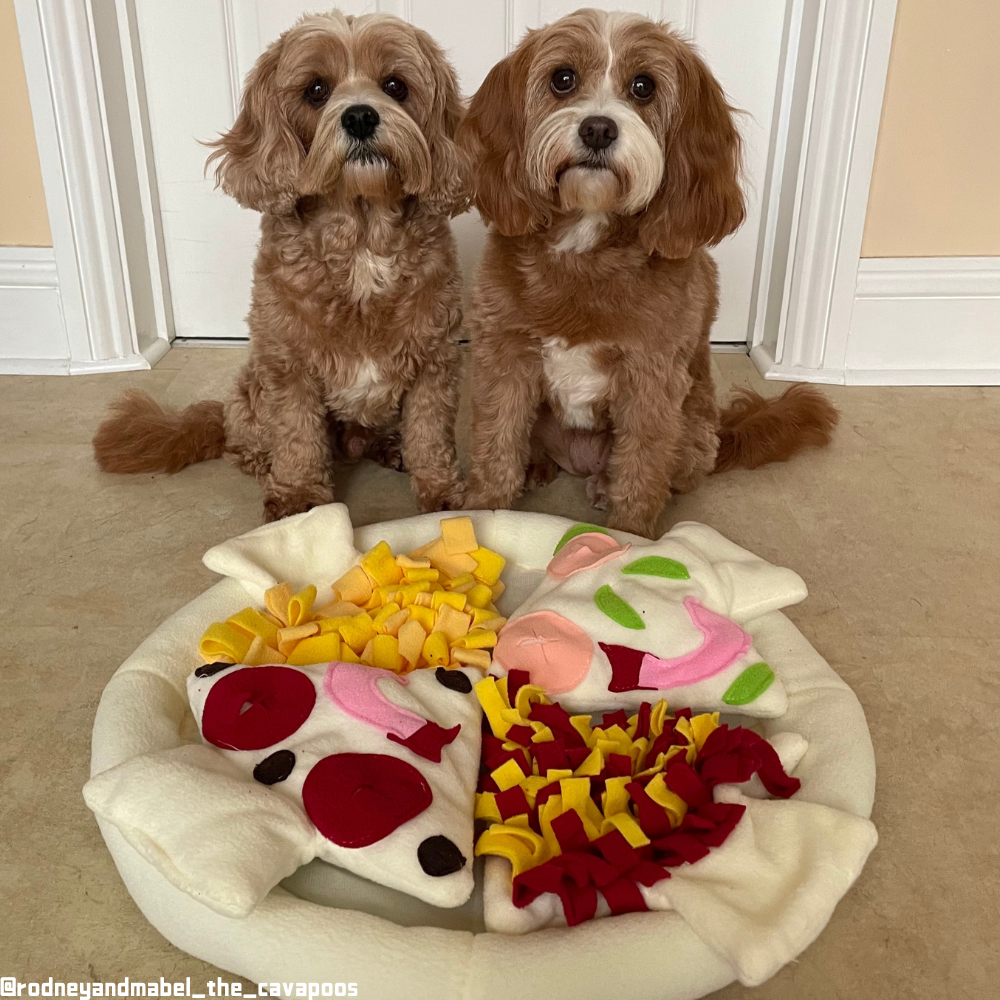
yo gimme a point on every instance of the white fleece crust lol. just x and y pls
(143, 710)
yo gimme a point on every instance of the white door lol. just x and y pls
(195, 54)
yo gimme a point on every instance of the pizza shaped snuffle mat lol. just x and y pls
(482, 756)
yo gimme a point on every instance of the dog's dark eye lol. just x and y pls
(642, 88)
(563, 81)
(317, 93)
(396, 89)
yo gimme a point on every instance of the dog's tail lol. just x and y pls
(754, 431)
(138, 435)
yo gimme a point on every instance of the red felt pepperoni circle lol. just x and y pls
(257, 707)
(356, 799)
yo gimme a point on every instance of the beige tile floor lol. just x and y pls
(895, 529)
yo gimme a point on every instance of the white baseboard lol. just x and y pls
(925, 321)
(32, 331)
(915, 321)
(33, 337)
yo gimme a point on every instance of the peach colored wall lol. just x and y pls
(24, 220)
(936, 187)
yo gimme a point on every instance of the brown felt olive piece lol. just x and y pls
(439, 856)
(453, 679)
(275, 767)
(210, 669)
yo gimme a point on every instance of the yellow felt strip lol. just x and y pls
(461, 583)
(221, 639)
(702, 726)
(255, 624)
(354, 586)
(626, 824)
(486, 807)
(480, 596)
(380, 564)
(528, 695)
(656, 718)
(473, 658)
(507, 775)
(581, 723)
(442, 597)
(542, 733)
(315, 649)
(592, 766)
(454, 624)
(458, 535)
(521, 846)
(407, 562)
(476, 638)
(276, 601)
(674, 805)
(616, 798)
(337, 609)
(357, 632)
(394, 623)
(552, 807)
(386, 653)
(300, 606)
(411, 638)
(288, 637)
(489, 566)
(436, 651)
(417, 575)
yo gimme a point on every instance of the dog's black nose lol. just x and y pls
(360, 120)
(598, 132)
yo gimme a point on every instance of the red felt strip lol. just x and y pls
(516, 679)
(520, 734)
(616, 718)
(642, 722)
(557, 719)
(512, 802)
(652, 819)
(684, 781)
(550, 755)
(624, 896)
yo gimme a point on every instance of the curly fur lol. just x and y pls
(140, 436)
(357, 298)
(595, 297)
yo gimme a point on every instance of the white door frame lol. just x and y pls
(98, 188)
(82, 59)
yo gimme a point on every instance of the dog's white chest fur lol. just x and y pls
(366, 378)
(573, 380)
(372, 274)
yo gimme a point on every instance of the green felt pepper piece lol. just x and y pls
(578, 529)
(670, 569)
(618, 610)
(750, 685)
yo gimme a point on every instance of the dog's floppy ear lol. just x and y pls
(700, 201)
(260, 156)
(493, 136)
(450, 186)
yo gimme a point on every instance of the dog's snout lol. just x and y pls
(360, 121)
(598, 132)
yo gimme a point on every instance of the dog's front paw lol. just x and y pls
(279, 503)
(597, 491)
(439, 493)
(540, 473)
(633, 523)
